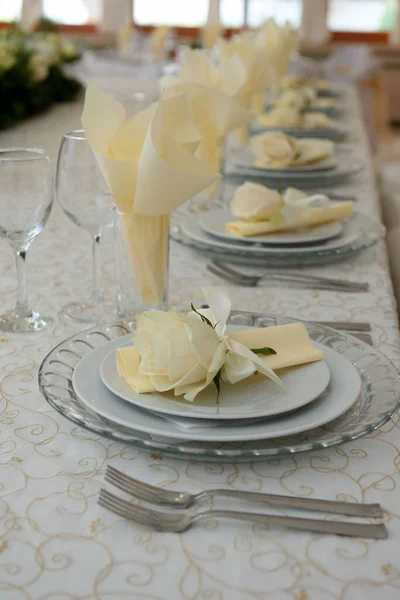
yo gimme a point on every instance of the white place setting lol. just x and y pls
(200, 399)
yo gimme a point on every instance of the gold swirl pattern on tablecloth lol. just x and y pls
(57, 544)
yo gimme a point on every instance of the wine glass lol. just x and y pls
(85, 198)
(26, 198)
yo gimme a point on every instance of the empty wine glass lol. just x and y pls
(26, 197)
(86, 200)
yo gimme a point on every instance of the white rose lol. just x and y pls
(39, 67)
(294, 80)
(274, 149)
(184, 353)
(255, 202)
(7, 60)
(291, 99)
(297, 204)
(179, 352)
(68, 50)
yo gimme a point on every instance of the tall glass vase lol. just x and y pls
(142, 256)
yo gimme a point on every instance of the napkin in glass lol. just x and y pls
(149, 165)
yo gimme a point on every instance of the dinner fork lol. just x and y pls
(180, 520)
(317, 281)
(156, 495)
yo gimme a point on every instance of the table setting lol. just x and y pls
(209, 394)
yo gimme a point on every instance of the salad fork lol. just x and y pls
(176, 499)
(222, 270)
(179, 520)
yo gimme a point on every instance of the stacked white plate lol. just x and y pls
(335, 170)
(206, 232)
(255, 409)
(335, 131)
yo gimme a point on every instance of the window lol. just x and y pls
(72, 12)
(281, 10)
(182, 13)
(232, 13)
(362, 15)
(10, 10)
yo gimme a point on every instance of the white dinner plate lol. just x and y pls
(249, 399)
(241, 162)
(191, 228)
(341, 393)
(213, 222)
(245, 157)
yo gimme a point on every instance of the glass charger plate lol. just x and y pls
(379, 398)
(369, 232)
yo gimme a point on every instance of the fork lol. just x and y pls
(156, 495)
(180, 520)
(319, 282)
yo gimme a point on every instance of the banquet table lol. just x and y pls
(58, 544)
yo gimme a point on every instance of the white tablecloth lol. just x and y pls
(57, 544)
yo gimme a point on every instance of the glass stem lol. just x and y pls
(97, 294)
(22, 306)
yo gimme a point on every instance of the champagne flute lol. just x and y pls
(26, 197)
(85, 198)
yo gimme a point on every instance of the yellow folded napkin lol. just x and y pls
(124, 35)
(214, 114)
(158, 38)
(187, 352)
(149, 166)
(279, 150)
(278, 45)
(308, 217)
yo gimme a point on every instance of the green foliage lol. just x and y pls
(31, 74)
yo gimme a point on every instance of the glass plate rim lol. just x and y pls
(280, 447)
(370, 239)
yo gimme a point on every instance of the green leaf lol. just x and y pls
(217, 383)
(266, 351)
(202, 317)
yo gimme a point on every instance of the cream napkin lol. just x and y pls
(278, 45)
(124, 35)
(310, 217)
(212, 94)
(212, 29)
(158, 38)
(149, 166)
(214, 113)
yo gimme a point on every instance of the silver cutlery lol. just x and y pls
(336, 197)
(325, 283)
(359, 326)
(177, 499)
(180, 520)
(363, 337)
(352, 326)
